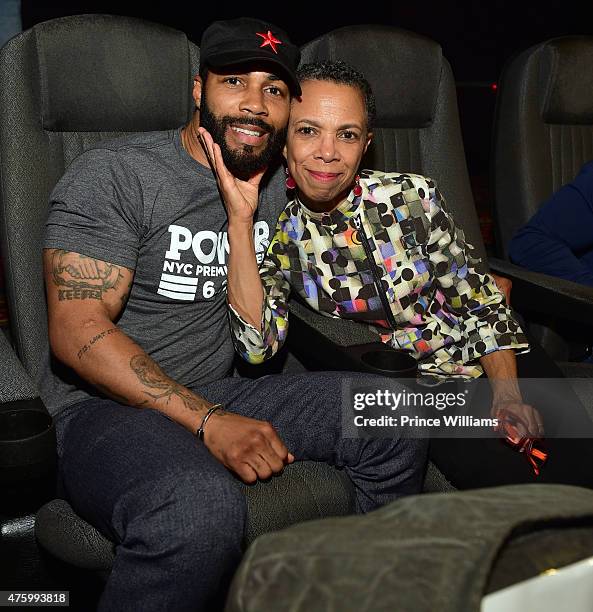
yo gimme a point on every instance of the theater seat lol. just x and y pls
(544, 127)
(543, 134)
(307, 490)
(66, 84)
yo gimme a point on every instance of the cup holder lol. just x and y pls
(391, 361)
(27, 444)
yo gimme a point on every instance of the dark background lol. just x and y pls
(477, 38)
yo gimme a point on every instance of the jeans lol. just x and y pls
(176, 514)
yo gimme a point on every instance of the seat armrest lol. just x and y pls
(27, 434)
(541, 293)
(17, 388)
(324, 343)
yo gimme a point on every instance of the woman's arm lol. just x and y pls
(486, 319)
(244, 289)
(257, 299)
(501, 369)
(258, 342)
(470, 292)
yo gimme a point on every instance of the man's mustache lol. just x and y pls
(255, 121)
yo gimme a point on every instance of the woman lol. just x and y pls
(375, 247)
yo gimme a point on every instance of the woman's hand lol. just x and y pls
(527, 416)
(240, 197)
(504, 285)
(501, 369)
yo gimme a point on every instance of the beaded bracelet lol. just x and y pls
(211, 411)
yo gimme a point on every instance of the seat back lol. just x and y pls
(543, 128)
(417, 126)
(65, 84)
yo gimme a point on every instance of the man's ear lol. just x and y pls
(369, 140)
(197, 90)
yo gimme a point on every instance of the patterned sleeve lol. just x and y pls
(471, 293)
(255, 346)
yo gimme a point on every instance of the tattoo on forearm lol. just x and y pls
(87, 347)
(162, 387)
(79, 277)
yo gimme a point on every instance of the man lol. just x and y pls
(135, 264)
(558, 239)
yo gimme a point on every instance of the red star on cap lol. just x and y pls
(269, 40)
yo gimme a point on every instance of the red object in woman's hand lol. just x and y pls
(516, 434)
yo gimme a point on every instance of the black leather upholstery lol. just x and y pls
(544, 128)
(15, 383)
(62, 532)
(567, 79)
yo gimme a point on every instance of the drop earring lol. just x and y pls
(290, 183)
(357, 190)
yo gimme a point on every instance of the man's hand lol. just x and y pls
(240, 197)
(250, 448)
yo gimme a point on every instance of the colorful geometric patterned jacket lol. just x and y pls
(444, 306)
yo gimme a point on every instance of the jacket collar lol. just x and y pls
(345, 210)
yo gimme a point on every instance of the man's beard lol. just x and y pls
(243, 162)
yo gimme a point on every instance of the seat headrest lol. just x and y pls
(403, 68)
(567, 80)
(109, 73)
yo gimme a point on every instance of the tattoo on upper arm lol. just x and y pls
(151, 375)
(87, 347)
(79, 277)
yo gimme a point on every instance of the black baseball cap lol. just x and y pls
(243, 40)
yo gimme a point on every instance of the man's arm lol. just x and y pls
(550, 241)
(85, 297)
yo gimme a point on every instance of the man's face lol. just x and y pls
(246, 112)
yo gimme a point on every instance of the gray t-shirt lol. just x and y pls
(142, 202)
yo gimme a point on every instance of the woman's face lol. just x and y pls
(327, 137)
